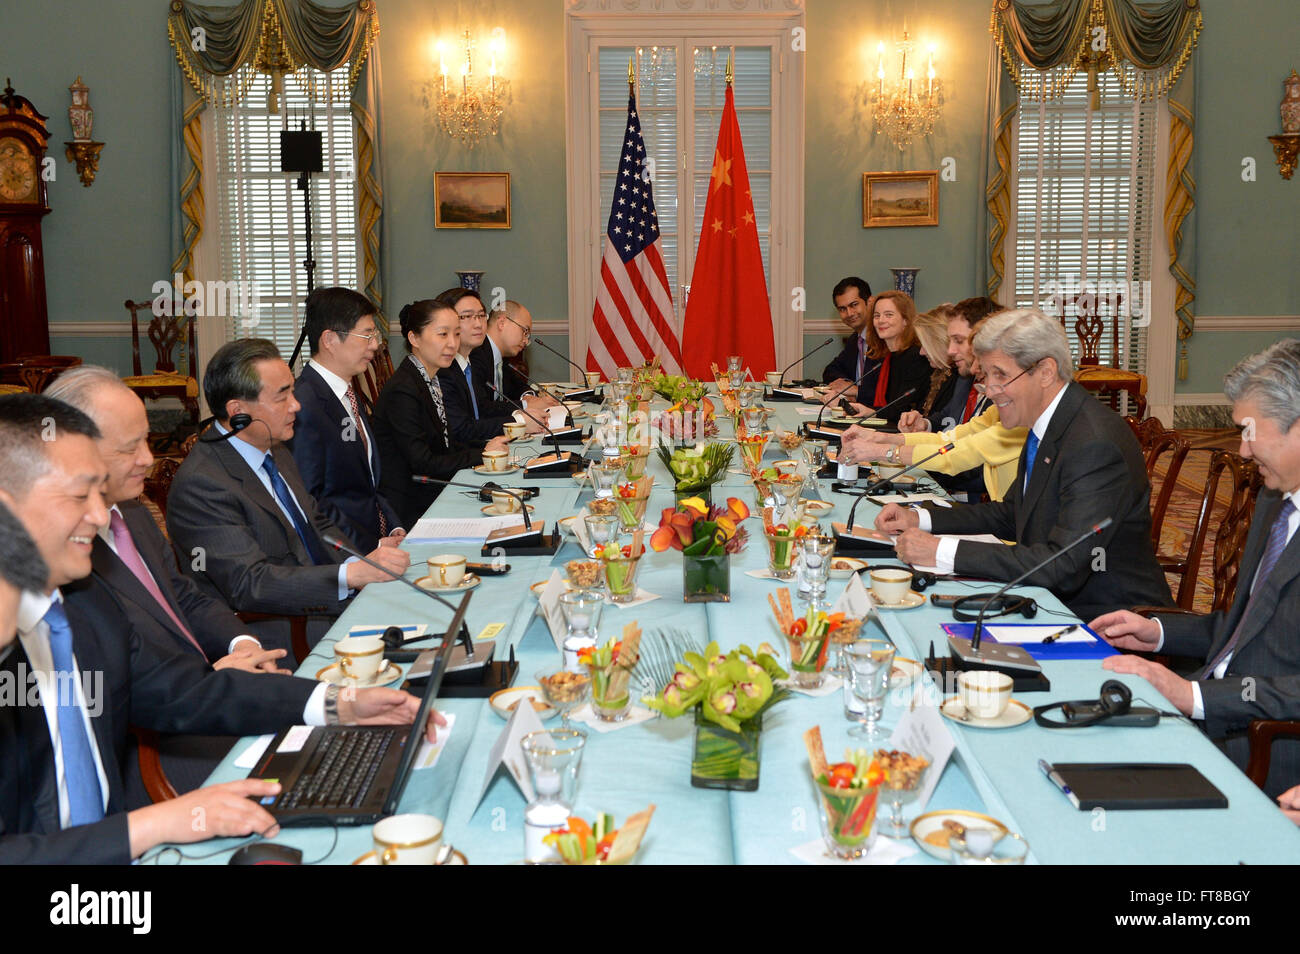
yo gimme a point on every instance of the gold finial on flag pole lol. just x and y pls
(731, 71)
(631, 73)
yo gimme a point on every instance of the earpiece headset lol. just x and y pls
(1004, 605)
(237, 423)
(1116, 700)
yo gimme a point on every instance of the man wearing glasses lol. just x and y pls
(332, 442)
(1081, 464)
(508, 330)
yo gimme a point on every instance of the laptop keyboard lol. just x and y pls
(349, 761)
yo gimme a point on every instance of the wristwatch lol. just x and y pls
(891, 455)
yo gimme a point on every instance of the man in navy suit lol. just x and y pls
(332, 443)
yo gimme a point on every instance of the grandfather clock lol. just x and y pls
(24, 323)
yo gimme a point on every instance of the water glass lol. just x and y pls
(601, 529)
(581, 610)
(870, 662)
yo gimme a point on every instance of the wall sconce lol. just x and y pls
(473, 111)
(1287, 146)
(905, 108)
(82, 150)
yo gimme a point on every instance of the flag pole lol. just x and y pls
(731, 72)
(631, 76)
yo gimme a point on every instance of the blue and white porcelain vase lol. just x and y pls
(905, 280)
(470, 278)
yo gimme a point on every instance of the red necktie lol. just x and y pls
(971, 400)
(365, 444)
(128, 554)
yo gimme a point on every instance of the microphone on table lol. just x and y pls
(781, 380)
(555, 441)
(534, 385)
(880, 411)
(979, 622)
(583, 374)
(463, 636)
(523, 506)
(880, 482)
(841, 391)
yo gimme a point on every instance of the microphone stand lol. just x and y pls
(781, 380)
(882, 481)
(533, 543)
(555, 441)
(842, 391)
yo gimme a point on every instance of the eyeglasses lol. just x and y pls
(473, 315)
(991, 386)
(373, 336)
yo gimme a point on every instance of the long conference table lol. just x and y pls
(991, 771)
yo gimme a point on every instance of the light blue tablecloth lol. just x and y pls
(623, 771)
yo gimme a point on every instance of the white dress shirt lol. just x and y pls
(34, 634)
(945, 558)
(340, 389)
(106, 534)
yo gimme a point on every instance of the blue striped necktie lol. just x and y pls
(85, 797)
(305, 533)
(1031, 451)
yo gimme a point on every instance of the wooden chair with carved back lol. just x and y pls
(371, 381)
(1157, 443)
(35, 371)
(165, 332)
(1094, 315)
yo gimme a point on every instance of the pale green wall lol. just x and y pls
(111, 240)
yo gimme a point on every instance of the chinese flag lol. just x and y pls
(728, 311)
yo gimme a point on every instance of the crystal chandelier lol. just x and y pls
(905, 108)
(474, 111)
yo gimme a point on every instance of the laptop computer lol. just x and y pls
(350, 774)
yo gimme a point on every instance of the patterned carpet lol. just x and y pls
(1186, 503)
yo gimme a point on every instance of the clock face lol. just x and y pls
(17, 172)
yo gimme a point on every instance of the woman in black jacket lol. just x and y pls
(891, 340)
(410, 421)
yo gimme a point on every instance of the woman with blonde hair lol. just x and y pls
(932, 336)
(898, 370)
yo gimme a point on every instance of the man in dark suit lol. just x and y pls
(84, 674)
(508, 330)
(238, 513)
(1251, 655)
(332, 443)
(1080, 465)
(850, 296)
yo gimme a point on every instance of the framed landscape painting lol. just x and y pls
(471, 200)
(900, 198)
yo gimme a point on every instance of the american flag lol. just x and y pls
(633, 319)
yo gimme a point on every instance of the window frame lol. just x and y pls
(589, 27)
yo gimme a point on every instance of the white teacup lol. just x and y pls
(407, 839)
(887, 469)
(496, 460)
(593, 378)
(889, 586)
(984, 694)
(505, 503)
(773, 378)
(447, 569)
(514, 430)
(360, 657)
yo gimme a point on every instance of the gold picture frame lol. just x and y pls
(471, 200)
(892, 199)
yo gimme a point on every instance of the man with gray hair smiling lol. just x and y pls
(1081, 464)
(1251, 654)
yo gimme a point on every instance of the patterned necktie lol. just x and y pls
(469, 379)
(351, 395)
(861, 352)
(496, 374)
(1031, 451)
(305, 533)
(1272, 551)
(85, 797)
(129, 555)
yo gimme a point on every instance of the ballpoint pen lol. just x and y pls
(1053, 637)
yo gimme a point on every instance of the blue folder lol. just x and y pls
(1097, 649)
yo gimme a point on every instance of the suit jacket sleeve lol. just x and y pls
(843, 365)
(106, 842)
(206, 518)
(211, 621)
(1188, 635)
(1093, 477)
(1233, 702)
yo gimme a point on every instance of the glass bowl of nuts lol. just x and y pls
(564, 690)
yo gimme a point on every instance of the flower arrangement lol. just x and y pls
(678, 388)
(728, 690)
(697, 529)
(697, 468)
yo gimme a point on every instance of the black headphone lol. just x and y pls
(237, 423)
(1116, 700)
(1004, 605)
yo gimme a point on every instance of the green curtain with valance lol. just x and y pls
(1150, 46)
(217, 46)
